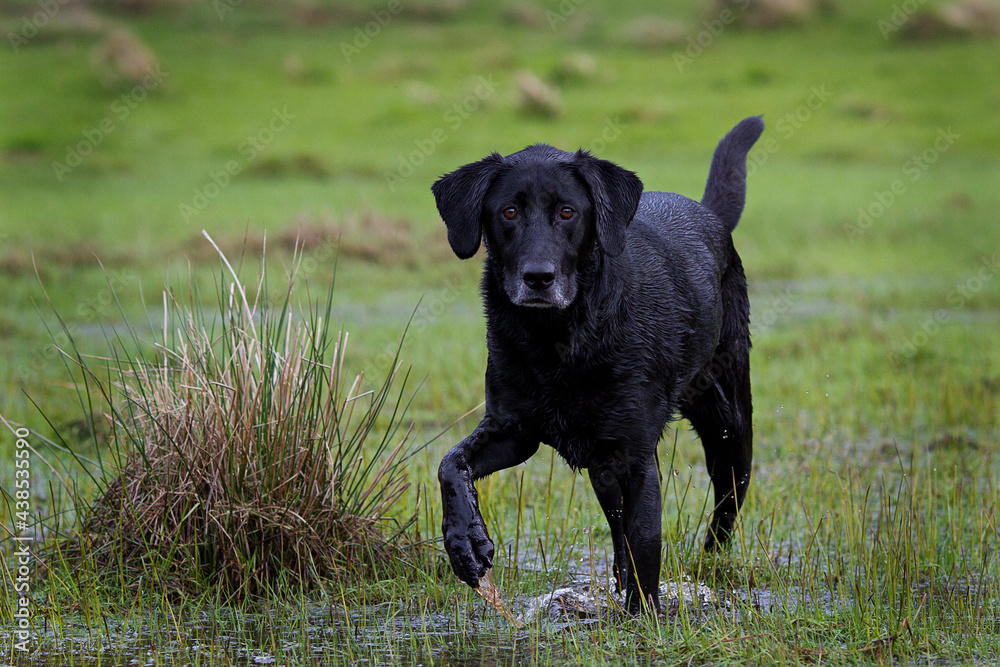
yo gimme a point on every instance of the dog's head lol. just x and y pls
(541, 211)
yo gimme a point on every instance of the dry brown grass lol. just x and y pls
(122, 57)
(980, 18)
(246, 457)
(653, 32)
(536, 97)
(366, 236)
(764, 14)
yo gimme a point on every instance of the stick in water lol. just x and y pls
(491, 593)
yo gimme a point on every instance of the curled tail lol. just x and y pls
(726, 188)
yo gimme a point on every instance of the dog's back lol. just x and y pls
(693, 243)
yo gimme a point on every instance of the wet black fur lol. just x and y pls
(601, 328)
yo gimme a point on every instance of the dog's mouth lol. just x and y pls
(533, 299)
(537, 302)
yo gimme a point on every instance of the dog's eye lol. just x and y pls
(510, 213)
(566, 212)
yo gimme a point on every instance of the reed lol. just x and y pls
(240, 453)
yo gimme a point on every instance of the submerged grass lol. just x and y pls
(239, 454)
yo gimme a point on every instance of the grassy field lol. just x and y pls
(869, 239)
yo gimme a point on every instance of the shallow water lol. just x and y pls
(466, 632)
(470, 632)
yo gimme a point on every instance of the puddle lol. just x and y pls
(465, 631)
(390, 633)
(462, 629)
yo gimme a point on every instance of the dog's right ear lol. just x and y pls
(460, 196)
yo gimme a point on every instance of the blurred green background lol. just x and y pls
(870, 241)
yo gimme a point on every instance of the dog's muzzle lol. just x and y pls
(539, 285)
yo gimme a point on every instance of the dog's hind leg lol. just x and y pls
(718, 404)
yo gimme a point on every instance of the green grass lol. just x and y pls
(871, 528)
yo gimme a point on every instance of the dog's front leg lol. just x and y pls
(491, 447)
(604, 481)
(641, 495)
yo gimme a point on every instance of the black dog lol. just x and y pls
(608, 311)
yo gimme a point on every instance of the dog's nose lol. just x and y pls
(539, 275)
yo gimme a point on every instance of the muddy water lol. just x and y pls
(467, 631)
(470, 633)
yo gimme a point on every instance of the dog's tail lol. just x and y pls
(726, 189)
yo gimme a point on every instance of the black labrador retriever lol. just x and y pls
(609, 310)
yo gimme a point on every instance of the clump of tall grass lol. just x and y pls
(244, 456)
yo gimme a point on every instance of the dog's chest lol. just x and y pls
(584, 413)
(581, 425)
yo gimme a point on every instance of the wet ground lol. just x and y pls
(471, 632)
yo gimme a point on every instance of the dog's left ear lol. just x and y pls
(615, 194)
(460, 196)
